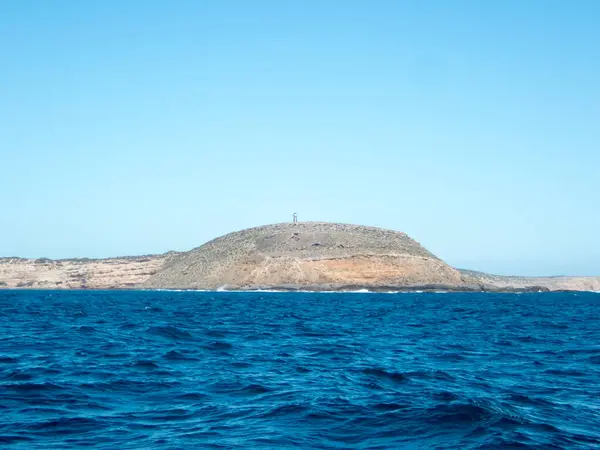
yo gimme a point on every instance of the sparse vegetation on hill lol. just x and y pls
(307, 256)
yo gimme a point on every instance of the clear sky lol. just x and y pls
(133, 127)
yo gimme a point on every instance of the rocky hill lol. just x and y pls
(307, 256)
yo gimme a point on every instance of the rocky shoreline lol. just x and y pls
(438, 288)
(309, 256)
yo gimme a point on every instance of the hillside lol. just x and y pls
(325, 255)
(308, 255)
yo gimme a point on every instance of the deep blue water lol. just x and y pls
(180, 370)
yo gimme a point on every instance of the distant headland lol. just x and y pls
(314, 256)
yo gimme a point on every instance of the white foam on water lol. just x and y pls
(263, 290)
(359, 291)
(165, 290)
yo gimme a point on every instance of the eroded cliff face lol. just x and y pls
(361, 270)
(305, 254)
(111, 273)
(313, 256)
(490, 282)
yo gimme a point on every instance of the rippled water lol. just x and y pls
(170, 370)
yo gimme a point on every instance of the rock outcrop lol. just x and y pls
(111, 273)
(303, 256)
(306, 254)
(506, 283)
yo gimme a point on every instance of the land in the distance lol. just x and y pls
(311, 256)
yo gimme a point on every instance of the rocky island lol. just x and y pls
(314, 256)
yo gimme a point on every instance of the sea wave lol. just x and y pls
(171, 369)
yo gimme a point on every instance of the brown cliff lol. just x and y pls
(328, 255)
(307, 256)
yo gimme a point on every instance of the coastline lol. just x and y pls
(307, 256)
(416, 289)
(130, 273)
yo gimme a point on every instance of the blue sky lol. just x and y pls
(131, 127)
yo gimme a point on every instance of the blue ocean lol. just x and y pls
(221, 370)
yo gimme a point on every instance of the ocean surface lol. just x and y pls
(183, 370)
